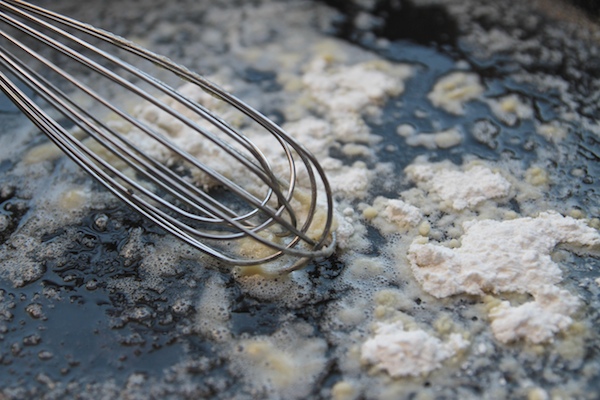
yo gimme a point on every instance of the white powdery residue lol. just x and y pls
(462, 189)
(537, 320)
(507, 256)
(189, 139)
(349, 127)
(453, 90)
(553, 131)
(442, 140)
(511, 109)
(408, 353)
(400, 213)
(314, 133)
(349, 89)
(344, 231)
(345, 93)
(172, 127)
(495, 41)
(348, 181)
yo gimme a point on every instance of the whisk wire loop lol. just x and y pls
(47, 94)
(98, 68)
(275, 220)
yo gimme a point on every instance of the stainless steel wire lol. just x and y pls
(46, 52)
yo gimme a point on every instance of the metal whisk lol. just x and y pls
(76, 73)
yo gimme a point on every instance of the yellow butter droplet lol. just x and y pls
(370, 212)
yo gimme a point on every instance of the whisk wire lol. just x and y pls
(74, 147)
(91, 129)
(94, 132)
(223, 222)
(163, 61)
(82, 59)
(236, 135)
(153, 170)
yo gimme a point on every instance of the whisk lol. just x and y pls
(231, 201)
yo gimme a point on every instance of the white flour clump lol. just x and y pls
(392, 216)
(454, 90)
(460, 189)
(507, 257)
(553, 131)
(511, 109)
(344, 93)
(315, 133)
(348, 181)
(408, 353)
(349, 89)
(442, 140)
(537, 320)
(401, 213)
